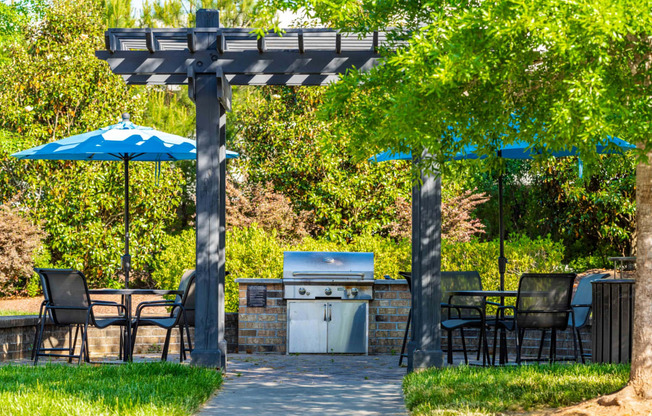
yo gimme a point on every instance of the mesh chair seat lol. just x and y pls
(452, 324)
(103, 323)
(158, 321)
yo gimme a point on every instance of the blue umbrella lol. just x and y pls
(517, 150)
(124, 141)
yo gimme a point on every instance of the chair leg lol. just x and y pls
(405, 337)
(553, 346)
(182, 346)
(579, 341)
(134, 333)
(188, 338)
(450, 346)
(166, 345)
(466, 359)
(543, 338)
(39, 341)
(83, 342)
(518, 337)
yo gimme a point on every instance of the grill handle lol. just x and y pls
(330, 312)
(325, 312)
(334, 273)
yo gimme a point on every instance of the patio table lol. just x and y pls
(502, 294)
(126, 298)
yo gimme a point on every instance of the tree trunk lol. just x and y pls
(641, 373)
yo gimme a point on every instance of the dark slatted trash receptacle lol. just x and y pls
(613, 316)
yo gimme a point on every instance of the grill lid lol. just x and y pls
(319, 265)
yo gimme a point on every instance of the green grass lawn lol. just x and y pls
(15, 313)
(488, 391)
(131, 389)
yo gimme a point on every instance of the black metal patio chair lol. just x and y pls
(543, 302)
(581, 305)
(461, 312)
(67, 304)
(182, 315)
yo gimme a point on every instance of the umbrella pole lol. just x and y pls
(502, 260)
(126, 259)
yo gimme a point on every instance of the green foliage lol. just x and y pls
(252, 252)
(524, 256)
(130, 389)
(181, 13)
(502, 390)
(279, 133)
(118, 13)
(19, 241)
(54, 87)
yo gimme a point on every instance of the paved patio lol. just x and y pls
(263, 385)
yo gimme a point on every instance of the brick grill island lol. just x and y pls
(264, 329)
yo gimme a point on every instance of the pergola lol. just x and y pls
(210, 59)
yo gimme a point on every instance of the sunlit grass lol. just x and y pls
(131, 389)
(488, 391)
(5, 312)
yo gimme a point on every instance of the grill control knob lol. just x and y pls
(354, 291)
(328, 291)
(302, 290)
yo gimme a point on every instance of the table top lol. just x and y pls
(134, 292)
(484, 293)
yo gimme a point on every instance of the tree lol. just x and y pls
(566, 73)
(53, 87)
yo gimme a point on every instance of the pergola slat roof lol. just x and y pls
(296, 57)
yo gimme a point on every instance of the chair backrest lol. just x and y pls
(544, 300)
(65, 287)
(584, 296)
(461, 281)
(187, 285)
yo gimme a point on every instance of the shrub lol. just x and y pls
(523, 254)
(19, 240)
(255, 253)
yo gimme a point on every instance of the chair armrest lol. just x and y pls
(460, 307)
(582, 305)
(155, 304)
(493, 303)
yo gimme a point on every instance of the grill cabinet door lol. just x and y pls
(307, 326)
(347, 326)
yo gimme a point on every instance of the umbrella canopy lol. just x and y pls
(124, 142)
(517, 150)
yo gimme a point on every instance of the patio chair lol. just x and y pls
(182, 315)
(581, 305)
(41, 316)
(67, 304)
(543, 302)
(461, 312)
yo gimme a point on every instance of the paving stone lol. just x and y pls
(272, 384)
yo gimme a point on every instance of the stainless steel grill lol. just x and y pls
(328, 301)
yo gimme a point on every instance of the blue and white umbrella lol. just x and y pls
(124, 142)
(517, 150)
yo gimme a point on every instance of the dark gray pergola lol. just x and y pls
(210, 59)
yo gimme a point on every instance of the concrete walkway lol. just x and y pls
(278, 385)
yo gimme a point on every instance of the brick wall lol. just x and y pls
(262, 329)
(388, 313)
(17, 338)
(265, 329)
